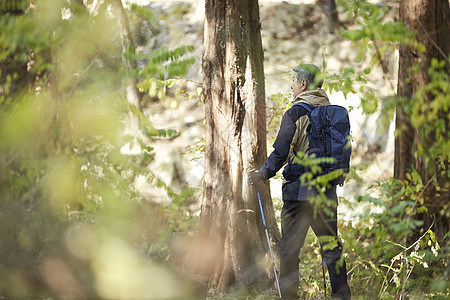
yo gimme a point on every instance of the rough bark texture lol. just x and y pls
(235, 142)
(330, 11)
(430, 18)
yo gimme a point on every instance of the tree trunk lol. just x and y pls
(235, 142)
(133, 94)
(430, 18)
(330, 10)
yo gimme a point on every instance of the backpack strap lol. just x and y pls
(309, 108)
(306, 106)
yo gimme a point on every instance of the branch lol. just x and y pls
(385, 71)
(395, 258)
(434, 42)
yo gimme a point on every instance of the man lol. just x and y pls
(299, 209)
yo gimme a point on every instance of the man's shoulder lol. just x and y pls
(296, 111)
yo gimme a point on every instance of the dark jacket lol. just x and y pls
(292, 138)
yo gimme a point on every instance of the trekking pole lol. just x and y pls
(268, 243)
(323, 273)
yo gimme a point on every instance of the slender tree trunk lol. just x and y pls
(133, 95)
(235, 142)
(330, 10)
(430, 18)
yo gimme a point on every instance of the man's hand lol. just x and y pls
(256, 177)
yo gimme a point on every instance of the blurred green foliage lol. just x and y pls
(277, 105)
(73, 224)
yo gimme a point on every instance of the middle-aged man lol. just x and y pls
(299, 211)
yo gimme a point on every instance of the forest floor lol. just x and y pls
(292, 32)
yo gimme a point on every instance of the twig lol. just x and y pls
(433, 42)
(426, 185)
(13, 158)
(385, 276)
(81, 77)
(405, 279)
(385, 71)
(426, 232)
(397, 244)
(395, 258)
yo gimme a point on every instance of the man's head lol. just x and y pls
(307, 77)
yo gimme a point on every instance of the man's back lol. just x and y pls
(300, 141)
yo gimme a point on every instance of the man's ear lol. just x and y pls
(304, 85)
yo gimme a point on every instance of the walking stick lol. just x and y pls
(323, 273)
(268, 243)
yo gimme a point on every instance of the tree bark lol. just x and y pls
(430, 18)
(235, 142)
(330, 10)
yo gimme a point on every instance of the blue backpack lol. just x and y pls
(328, 135)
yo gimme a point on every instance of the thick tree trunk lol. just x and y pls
(235, 142)
(430, 18)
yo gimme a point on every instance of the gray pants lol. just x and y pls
(296, 218)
